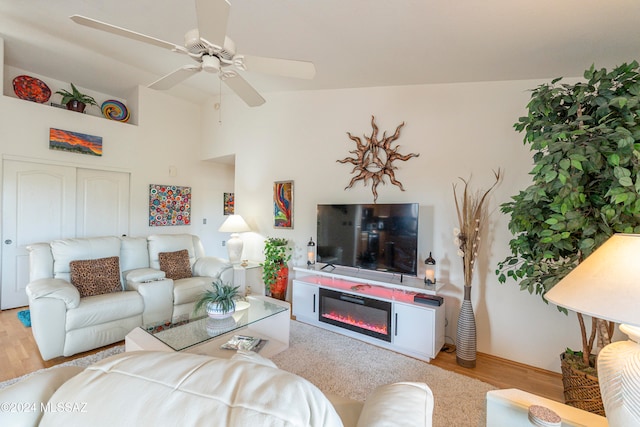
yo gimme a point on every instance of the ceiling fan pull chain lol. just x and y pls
(220, 102)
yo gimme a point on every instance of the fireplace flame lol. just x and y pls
(381, 329)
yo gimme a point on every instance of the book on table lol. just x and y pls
(244, 342)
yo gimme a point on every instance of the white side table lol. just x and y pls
(251, 275)
(510, 407)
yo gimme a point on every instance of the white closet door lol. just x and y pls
(102, 203)
(38, 205)
(42, 202)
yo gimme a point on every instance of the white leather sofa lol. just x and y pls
(64, 324)
(169, 389)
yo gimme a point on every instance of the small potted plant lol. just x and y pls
(275, 272)
(75, 100)
(219, 301)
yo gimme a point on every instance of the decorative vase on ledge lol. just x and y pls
(466, 335)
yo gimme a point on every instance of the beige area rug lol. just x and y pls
(352, 368)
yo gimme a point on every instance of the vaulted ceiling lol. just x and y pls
(353, 43)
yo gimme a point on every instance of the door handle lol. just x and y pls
(8, 242)
(396, 324)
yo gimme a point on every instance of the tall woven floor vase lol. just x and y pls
(466, 335)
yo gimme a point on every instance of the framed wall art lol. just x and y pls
(283, 204)
(75, 142)
(229, 204)
(169, 205)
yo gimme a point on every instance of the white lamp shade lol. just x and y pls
(234, 224)
(606, 284)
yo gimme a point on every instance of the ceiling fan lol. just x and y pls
(212, 51)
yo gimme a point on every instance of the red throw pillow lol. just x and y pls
(175, 264)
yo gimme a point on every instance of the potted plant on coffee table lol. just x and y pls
(75, 100)
(275, 272)
(219, 301)
(585, 188)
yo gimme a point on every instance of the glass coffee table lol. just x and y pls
(259, 317)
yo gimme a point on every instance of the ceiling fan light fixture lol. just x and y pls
(210, 64)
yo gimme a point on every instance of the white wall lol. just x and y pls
(168, 133)
(460, 130)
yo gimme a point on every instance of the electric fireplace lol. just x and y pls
(357, 313)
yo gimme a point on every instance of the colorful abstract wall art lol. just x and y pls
(169, 205)
(75, 142)
(229, 204)
(283, 204)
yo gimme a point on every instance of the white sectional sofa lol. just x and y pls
(69, 318)
(169, 389)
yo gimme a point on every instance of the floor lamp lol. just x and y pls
(234, 224)
(607, 285)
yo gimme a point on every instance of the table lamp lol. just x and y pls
(606, 285)
(234, 224)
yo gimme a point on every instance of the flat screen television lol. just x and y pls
(381, 237)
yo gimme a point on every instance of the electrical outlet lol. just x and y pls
(204, 221)
(224, 243)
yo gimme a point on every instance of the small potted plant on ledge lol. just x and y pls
(275, 272)
(219, 301)
(75, 100)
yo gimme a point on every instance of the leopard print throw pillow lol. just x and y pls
(96, 276)
(175, 264)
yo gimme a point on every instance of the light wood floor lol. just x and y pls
(19, 355)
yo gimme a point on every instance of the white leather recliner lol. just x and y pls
(64, 324)
(204, 269)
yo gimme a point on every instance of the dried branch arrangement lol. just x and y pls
(472, 216)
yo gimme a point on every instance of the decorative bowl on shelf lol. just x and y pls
(115, 110)
(31, 89)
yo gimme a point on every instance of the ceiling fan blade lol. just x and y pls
(212, 20)
(172, 79)
(113, 29)
(243, 89)
(280, 67)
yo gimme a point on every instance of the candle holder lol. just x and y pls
(430, 270)
(311, 253)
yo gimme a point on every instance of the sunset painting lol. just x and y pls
(75, 142)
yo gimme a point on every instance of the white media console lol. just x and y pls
(415, 329)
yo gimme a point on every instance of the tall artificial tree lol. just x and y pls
(586, 179)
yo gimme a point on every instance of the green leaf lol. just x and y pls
(620, 172)
(587, 244)
(621, 198)
(618, 102)
(625, 181)
(577, 164)
(614, 159)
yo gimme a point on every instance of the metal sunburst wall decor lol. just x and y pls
(374, 158)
